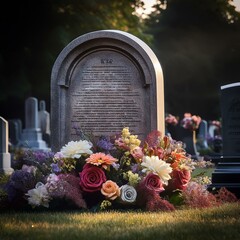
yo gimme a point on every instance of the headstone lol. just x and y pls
(5, 157)
(227, 173)
(32, 136)
(15, 131)
(188, 137)
(44, 121)
(212, 131)
(103, 81)
(202, 135)
(230, 108)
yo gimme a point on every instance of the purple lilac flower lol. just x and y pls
(67, 187)
(42, 156)
(20, 182)
(104, 144)
(135, 168)
(39, 156)
(55, 168)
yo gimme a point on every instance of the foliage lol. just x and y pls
(36, 32)
(197, 43)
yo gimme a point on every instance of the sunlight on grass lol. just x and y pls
(213, 223)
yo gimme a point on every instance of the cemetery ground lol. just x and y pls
(222, 222)
(210, 223)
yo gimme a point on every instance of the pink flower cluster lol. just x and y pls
(190, 121)
(171, 120)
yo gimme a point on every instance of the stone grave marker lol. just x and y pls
(5, 157)
(31, 135)
(187, 137)
(202, 135)
(212, 131)
(103, 81)
(44, 121)
(15, 131)
(227, 172)
(230, 108)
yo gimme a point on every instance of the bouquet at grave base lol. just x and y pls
(114, 173)
(190, 121)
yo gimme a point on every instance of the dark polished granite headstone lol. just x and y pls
(227, 172)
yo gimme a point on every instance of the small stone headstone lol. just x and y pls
(187, 137)
(102, 82)
(32, 136)
(44, 121)
(202, 135)
(212, 131)
(15, 131)
(5, 157)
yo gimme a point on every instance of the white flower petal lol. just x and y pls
(158, 166)
(75, 149)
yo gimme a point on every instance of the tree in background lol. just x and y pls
(198, 45)
(34, 32)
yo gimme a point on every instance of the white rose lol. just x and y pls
(128, 194)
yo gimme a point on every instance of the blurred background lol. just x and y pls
(196, 41)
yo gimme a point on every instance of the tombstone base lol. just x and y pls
(32, 138)
(5, 163)
(227, 174)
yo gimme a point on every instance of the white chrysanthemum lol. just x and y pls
(155, 165)
(75, 149)
(38, 196)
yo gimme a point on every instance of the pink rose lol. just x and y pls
(92, 178)
(180, 179)
(153, 182)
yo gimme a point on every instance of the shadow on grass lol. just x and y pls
(213, 223)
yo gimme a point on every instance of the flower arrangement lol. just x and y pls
(114, 173)
(214, 138)
(171, 120)
(190, 121)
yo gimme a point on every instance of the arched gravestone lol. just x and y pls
(103, 81)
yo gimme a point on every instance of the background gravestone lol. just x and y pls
(227, 172)
(104, 81)
(15, 131)
(31, 135)
(202, 135)
(5, 157)
(230, 108)
(44, 121)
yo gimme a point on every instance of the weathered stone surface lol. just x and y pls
(104, 81)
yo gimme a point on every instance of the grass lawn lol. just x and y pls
(203, 224)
